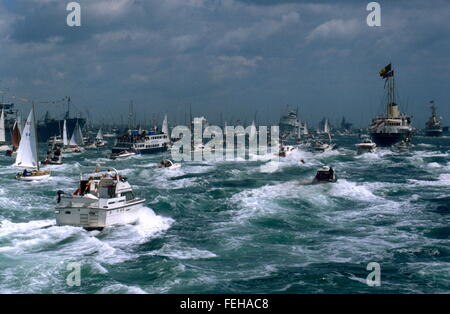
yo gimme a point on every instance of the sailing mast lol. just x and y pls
(35, 138)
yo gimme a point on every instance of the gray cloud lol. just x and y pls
(235, 57)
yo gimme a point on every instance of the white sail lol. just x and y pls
(20, 124)
(65, 137)
(305, 129)
(165, 126)
(2, 127)
(27, 152)
(99, 135)
(253, 132)
(326, 128)
(77, 136)
(73, 140)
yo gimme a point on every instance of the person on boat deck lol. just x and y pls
(26, 173)
(331, 172)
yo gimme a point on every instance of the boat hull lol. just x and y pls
(388, 139)
(143, 151)
(92, 218)
(434, 133)
(20, 177)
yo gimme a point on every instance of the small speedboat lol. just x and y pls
(402, 146)
(90, 145)
(320, 147)
(53, 161)
(367, 146)
(325, 174)
(285, 151)
(101, 143)
(169, 165)
(122, 155)
(73, 149)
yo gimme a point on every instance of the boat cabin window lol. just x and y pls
(107, 188)
(129, 196)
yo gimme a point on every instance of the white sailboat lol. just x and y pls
(3, 146)
(165, 127)
(27, 154)
(65, 137)
(99, 141)
(326, 127)
(76, 141)
(320, 146)
(20, 124)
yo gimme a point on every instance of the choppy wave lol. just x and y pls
(241, 226)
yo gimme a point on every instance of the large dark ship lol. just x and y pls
(291, 128)
(433, 125)
(393, 127)
(11, 115)
(50, 127)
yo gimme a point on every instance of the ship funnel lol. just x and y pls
(393, 111)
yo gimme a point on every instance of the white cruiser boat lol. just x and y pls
(142, 143)
(367, 146)
(320, 147)
(104, 198)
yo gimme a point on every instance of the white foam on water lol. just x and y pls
(425, 145)
(177, 251)
(7, 227)
(121, 289)
(162, 178)
(442, 180)
(148, 226)
(423, 153)
(352, 190)
(263, 201)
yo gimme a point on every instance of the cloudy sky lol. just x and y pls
(235, 57)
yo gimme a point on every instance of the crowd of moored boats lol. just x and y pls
(104, 197)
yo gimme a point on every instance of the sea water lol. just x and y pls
(231, 227)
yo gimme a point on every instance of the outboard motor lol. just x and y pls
(59, 195)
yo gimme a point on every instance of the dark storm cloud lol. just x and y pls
(235, 57)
